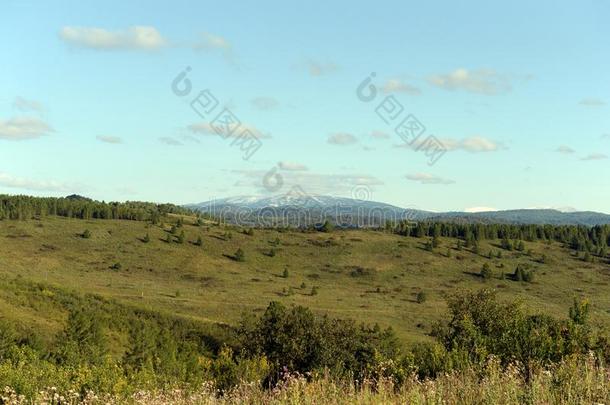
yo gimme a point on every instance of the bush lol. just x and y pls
(199, 241)
(421, 297)
(486, 272)
(146, 238)
(239, 255)
(300, 341)
(285, 273)
(86, 234)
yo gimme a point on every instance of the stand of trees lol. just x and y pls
(581, 238)
(26, 207)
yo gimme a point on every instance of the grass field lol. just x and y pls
(366, 275)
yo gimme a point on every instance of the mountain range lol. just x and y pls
(304, 210)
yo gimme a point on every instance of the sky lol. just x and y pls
(442, 106)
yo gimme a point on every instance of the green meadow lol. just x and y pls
(370, 276)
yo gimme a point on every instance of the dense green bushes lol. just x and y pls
(112, 348)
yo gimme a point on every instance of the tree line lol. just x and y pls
(22, 207)
(576, 237)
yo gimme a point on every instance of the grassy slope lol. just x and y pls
(205, 284)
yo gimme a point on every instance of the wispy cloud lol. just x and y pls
(342, 138)
(292, 166)
(320, 68)
(473, 144)
(265, 103)
(427, 178)
(566, 150)
(595, 156)
(398, 86)
(380, 135)
(132, 38)
(109, 139)
(209, 42)
(311, 183)
(10, 181)
(22, 128)
(170, 141)
(592, 102)
(25, 105)
(206, 128)
(481, 81)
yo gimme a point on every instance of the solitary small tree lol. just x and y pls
(285, 274)
(327, 226)
(486, 272)
(86, 234)
(169, 238)
(181, 237)
(239, 255)
(421, 297)
(199, 241)
(146, 238)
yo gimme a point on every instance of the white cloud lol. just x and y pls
(380, 135)
(566, 150)
(7, 180)
(208, 41)
(311, 183)
(206, 128)
(397, 86)
(25, 105)
(481, 81)
(477, 144)
(427, 178)
(320, 68)
(592, 102)
(136, 37)
(595, 156)
(265, 103)
(109, 139)
(342, 138)
(170, 141)
(21, 128)
(472, 144)
(292, 166)
(474, 210)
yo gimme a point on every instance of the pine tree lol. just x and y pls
(239, 255)
(181, 237)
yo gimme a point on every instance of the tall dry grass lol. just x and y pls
(573, 381)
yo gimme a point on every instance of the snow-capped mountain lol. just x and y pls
(300, 209)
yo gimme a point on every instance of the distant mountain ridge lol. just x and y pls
(305, 210)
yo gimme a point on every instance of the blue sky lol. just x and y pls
(517, 95)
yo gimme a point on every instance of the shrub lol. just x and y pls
(239, 255)
(199, 241)
(314, 291)
(421, 297)
(86, 234)
(327, 226)
(285, 273)
(146, 238)
(181, 237)
(116, 266)
(486, 272)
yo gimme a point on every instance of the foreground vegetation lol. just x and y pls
(163, 306)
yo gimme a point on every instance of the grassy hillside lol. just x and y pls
(369, 276)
